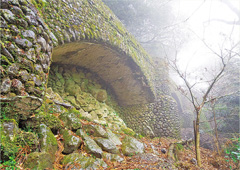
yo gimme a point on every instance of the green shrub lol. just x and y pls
(233, 151)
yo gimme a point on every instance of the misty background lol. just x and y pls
(191, 34)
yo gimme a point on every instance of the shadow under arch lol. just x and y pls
(118, 70)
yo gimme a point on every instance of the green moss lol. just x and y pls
(128, 131)
(4, 61)
(13, 140)
(179, 146)
(44, 117)
(39, 4)
(38, 160)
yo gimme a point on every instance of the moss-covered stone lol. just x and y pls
(72, 100)
(90, 145)
(128, 131)
(78, 161)
(112, 157)
(107, 145)
(9, 132)
(13, 138)
(48, 142)
(113, 137)
(38, 161)
(131, 146)
(46, 118)
(28, 139)
(95, 130)
(72, 88)
(71, 143)
(71, 120)
(102, 95)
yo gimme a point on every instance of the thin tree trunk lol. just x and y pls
(198, 154)
(215, 129)
(194, 128)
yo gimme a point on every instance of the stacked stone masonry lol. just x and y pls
(31, 31)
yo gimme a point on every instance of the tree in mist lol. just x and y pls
(224, 57)
(152, 22)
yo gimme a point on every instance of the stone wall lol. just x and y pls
(160, 118)
(155, 119)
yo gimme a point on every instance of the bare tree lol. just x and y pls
(234, 9)
(224, 57)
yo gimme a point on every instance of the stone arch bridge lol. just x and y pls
(84, 33)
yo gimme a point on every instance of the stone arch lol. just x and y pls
(83, 33)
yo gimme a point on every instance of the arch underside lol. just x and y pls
(117, 70)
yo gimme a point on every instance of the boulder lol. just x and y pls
(90, 145)
(5, 85)
(107, 145)
(24, 43)
(8, 16)
(24, 75)
(113, 137)
(95, 130)
(87, 102)
(102, 95)
(42, 42)
(72, 100)
(48, 142)
(71, 143)
(148, 157)
(131, 146)
(72, 88)
(29, 34)
(12, 138)
(10, 129)
(24, 104)
(71, 121)
(17, 85)
(13, 70)
(38, 161)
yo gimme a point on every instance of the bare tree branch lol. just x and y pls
(232, 7)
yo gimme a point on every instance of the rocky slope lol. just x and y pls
(75, 129)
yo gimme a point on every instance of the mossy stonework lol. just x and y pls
(83, 40)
